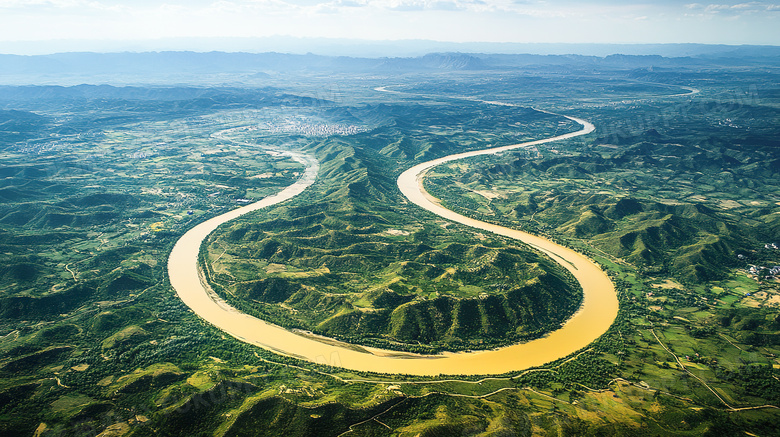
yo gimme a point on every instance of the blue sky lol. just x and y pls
(602, 21)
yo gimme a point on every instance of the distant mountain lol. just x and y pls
(19, 125)
(221, 62)
(374, 48)
(221, 67)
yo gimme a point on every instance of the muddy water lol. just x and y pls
(598, 310)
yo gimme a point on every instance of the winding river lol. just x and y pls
(596, 314)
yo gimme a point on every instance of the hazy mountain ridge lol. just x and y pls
(378, 48)
(157, 66)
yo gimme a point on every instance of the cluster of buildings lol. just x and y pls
(36, 148)
(728, 123)
(141, 155)
(771, 271)
(303, 127)
(767, 272)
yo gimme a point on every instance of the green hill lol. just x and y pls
(663, 207)
(354, 261)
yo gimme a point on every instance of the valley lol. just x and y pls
(673, 195)
(590, 320)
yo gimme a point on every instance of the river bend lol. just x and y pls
(596, 314)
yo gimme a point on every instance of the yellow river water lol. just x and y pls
(597, 312)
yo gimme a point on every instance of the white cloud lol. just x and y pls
(446, 20)
(47, 3)
(338, 6)
(46, 6)
(738, 8)
(524, 8)
(247, 6)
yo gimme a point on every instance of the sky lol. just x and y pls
(518, 21)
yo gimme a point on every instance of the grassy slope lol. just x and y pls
(335, 267)
(142, 364)
(675, 232)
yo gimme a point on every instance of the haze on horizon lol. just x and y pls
(96, 24)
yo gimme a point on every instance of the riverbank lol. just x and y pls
(598, 310)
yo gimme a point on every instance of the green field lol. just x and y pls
(675, 196)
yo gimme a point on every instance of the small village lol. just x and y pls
(303, 126)
(761, 272)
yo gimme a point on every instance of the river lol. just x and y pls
(596, 314)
